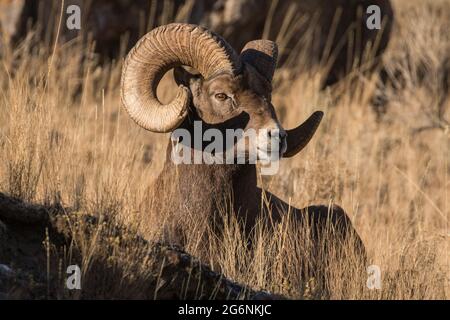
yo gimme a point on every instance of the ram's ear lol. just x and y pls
(263, 56)
(298, 138)
(185, 78)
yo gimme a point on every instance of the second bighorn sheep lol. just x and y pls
(230, 91)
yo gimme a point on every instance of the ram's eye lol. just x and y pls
(221, 96)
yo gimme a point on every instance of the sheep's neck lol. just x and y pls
(204, 187)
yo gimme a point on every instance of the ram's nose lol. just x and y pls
(279, 135)
(283, 141)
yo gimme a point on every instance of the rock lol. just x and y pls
(169, 272)
(6, 271)
(16, 211)
(177, 267)
(5, 276)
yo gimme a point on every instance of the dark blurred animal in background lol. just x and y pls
(339, 35)
(331, 32)
(107, 22)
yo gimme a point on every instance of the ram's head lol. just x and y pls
(230, 90)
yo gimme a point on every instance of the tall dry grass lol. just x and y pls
(64, 138)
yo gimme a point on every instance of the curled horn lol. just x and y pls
(298, 138)
(156, 53)
(263, 56)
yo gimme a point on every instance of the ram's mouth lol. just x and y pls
(283, 148)
(267, 155)
(265, 152)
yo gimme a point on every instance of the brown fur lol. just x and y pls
(201, 192)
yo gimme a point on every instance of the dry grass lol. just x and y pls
(64, 138)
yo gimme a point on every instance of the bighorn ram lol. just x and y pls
(231, 91)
